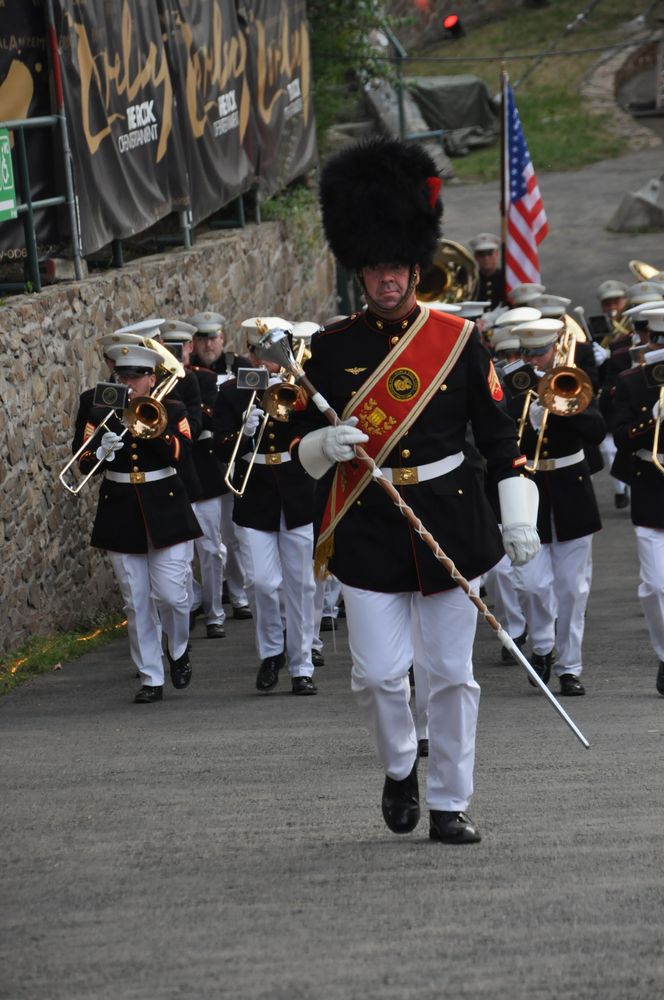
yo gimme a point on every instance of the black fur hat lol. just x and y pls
(380, 203)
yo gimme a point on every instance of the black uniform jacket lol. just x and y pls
(619, 360)
(374, 546)
(128, 515)
(566, 494)
(271, 488)
(633, 431)
(492, 288)
(187, 391)
(209, 468)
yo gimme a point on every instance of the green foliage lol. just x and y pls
(297, 208)
(342, 54)
(49, 652)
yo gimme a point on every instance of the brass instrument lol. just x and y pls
(453, 276)
(644, 272)
(277, 402)
(145, 417)
(655, 441)
(565, 390)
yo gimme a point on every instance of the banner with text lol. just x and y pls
(24, 93)
(208, 55)
(128, 154)
(281, 90)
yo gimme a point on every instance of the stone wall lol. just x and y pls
(51, 577)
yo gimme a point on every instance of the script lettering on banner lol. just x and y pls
(128, 162)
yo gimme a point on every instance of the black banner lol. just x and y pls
(208, 53)
(280, 68)
(24, 93)
(128, 154)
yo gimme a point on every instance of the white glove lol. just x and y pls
(536, 414)
(110, 443)
(275, 380)
(601, 353)
(319, 450)
(658, 412)
(253, 420)
(519, 500)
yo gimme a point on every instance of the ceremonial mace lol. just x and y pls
(274, 346)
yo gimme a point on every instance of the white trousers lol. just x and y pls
(233, 569)
(210, 551)
(502, 594)
(281, 563)
(555, 584)
(650, 543)
(608, 450)
(154, 590)
(388, 632)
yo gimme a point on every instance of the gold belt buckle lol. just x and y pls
(547, 464)
(404, 477)
(273, 459)
(136, 478)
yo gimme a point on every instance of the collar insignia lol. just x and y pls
(354, 371)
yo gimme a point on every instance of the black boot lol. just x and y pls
(401, 802)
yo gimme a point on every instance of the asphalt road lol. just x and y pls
(229, 844)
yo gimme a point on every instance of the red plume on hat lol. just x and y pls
(381, 203)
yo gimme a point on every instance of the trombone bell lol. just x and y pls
(279, 400)
(145, 417)
(565, 391)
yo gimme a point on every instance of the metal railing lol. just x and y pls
(29, 206)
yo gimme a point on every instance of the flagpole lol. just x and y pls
(503, 164)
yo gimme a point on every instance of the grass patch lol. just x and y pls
(48, 652)
(562, 134)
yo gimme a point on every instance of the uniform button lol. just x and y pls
(545, 440)
(270, 423)
(404, 324)
(460, 492)
(405, 453)
(358, 503)
(545, 454)
(135, 468)
(379, 324)
(580, 478)
(271, 448)
(170, 494)
(443, 387)
(271, 437)
(644, 409)
(354, 392)
(394, 340)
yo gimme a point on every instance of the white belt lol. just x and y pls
(139, 477)
(420, 473)
(549, 464)
(204, 436)
(646, 456)
(269, 458)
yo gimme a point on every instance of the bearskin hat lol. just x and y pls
(380, 203)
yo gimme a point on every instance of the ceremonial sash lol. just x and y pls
(388, 404)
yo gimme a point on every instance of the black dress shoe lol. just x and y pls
(215, 631)
(452, 828)
(659, 683)
(268, 672)
(242, 612)
(422, 748)
(317, 658)
(401, 802)
(542, 663)
(621, 500)
(571, 685)
(303, 685)
(148, 694)
(180, 670)
(520, 641)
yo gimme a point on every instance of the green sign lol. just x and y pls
(7, 191)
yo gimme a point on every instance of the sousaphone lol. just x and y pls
(453, 276)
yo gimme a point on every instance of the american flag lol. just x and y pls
(526, 218)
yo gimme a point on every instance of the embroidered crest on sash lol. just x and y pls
(403, 383)
(373, 420)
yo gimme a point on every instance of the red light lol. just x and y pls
(450, 21)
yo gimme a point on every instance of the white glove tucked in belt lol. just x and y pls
(110, 443)
(320, 449)
(600, 353)
(519, 500)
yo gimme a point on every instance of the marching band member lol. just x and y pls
(145, 522)
(273, 521)
(209, 344)
(637, 411)
(210, 550)
(407, 380)
(554, 586)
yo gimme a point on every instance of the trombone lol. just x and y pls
(277, 402)
(145, 417)
(655, 441)
(565, 390)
